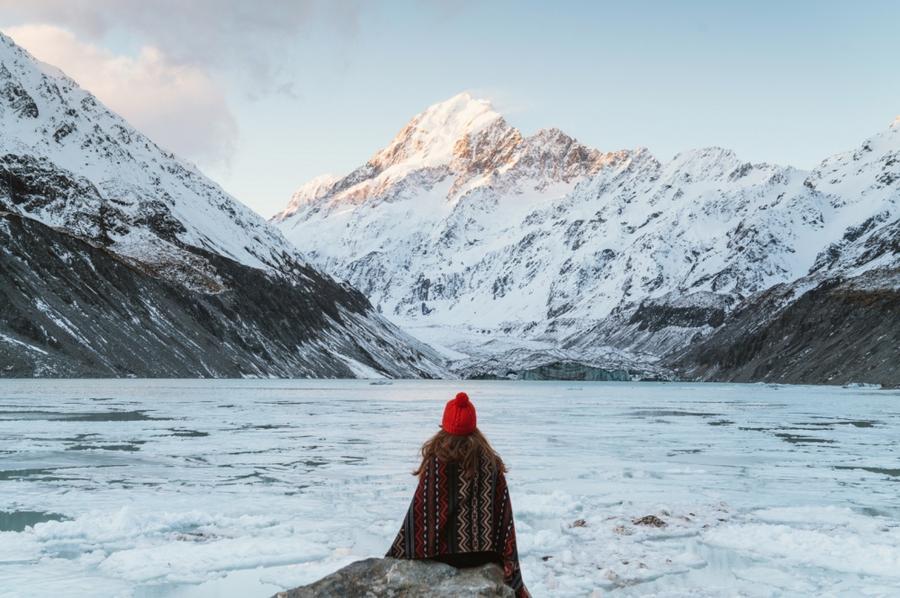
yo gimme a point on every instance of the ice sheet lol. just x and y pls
(220, 488)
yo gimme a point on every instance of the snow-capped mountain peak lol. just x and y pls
(431, 137)
(710, 162)
(454, 148)
(542, 237)
(867, 175)
(314, 189)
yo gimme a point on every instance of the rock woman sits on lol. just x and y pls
(461, 513)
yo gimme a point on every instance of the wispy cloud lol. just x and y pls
(179, 106)
(169, 65)
(248, 38)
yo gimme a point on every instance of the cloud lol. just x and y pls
(168, 66)
(177, 105)
(249, 39)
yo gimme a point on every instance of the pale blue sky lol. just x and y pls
(788, 82)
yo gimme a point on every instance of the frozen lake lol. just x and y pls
(242, 488)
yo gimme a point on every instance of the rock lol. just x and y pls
(650, 520)
(789, 333)
(400, 578)
(578, 523)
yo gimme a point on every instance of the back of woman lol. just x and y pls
(461, 512)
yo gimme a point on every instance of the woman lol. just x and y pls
(461, 513)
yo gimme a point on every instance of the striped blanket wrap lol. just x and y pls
(454, 512)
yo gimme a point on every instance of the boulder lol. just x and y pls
(398, 578)
(650, 520)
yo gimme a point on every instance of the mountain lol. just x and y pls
(119, 259)
(511, 252)
(837, 324)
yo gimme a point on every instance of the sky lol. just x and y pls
(266, 95)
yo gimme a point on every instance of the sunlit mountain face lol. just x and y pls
(511, 252)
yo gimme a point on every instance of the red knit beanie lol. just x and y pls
(459, 416)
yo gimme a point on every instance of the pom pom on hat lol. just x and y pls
(459, 416)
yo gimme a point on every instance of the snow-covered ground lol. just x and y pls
(241, 488)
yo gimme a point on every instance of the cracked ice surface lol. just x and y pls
(217, 488)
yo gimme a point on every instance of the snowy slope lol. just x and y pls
(120, 259)
(106, 181)
(462, 228)
(838, 324)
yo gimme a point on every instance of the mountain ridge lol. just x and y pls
(480, 148)
(570, 250)
(119, 259)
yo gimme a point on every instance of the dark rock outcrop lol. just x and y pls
(372, 578)
(654, 316)
(838, 332)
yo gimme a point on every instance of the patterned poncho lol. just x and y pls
(455, 512)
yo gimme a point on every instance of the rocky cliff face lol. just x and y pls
(501, 248)
(120, 259)
(835, 333)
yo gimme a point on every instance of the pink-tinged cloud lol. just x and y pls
(247, 40)
(177, 105)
